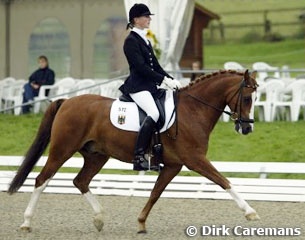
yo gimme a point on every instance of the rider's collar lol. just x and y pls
(141, 32)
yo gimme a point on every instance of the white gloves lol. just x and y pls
(172, 83)
(177, 83)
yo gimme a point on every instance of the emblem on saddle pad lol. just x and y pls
(121, 119)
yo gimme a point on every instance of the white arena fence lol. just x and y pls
(261, 188)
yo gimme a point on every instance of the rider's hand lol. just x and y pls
(171, 83)
(177, 83)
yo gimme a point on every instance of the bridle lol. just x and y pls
(235, 115)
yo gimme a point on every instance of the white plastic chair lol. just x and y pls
(263, 70)
(8, 80)
(285, 74)
(111, 89)
(13, 95)
(5, 86)
(298, 99)
(1, 93)
(61, 87)
(301, 101)
(85, 83)
(233, 66)
(291, 107)
(273, 90)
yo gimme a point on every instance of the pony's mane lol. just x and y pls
(209, 76)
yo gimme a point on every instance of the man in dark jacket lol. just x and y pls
(145, 74)
(43, 76)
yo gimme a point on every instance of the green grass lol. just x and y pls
(224, 7)
(277, 141)
(17, 133)
(288, 52)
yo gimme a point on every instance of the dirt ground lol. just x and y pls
(69, 217)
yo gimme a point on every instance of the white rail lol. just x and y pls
(261, 189)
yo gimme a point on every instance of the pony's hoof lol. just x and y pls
(98, 222)
(252, 216)
(142, 231)
(25, 229)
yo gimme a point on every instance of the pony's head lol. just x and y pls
(241, 103)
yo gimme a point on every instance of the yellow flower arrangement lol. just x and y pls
(155, 43)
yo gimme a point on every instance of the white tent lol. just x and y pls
(171, 25)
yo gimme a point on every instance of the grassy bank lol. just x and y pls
(278, 141)
(224, 7)
(288, 52)
(250, 15)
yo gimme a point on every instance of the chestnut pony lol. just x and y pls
(82, 124)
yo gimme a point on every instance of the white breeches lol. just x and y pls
(147, 103)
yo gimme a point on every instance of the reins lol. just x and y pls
(233, 115)
(207, 104)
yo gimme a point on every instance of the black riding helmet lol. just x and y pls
(137, 10)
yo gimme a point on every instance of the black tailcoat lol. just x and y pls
(145, 70)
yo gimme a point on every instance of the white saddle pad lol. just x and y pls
(125, 115)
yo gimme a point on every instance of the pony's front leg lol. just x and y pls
(205, 168)
(30, 210)
(250, 213)
(93, 164)
(97, 208)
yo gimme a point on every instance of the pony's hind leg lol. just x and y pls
(42, 180)
(92, 165)
(166, 175)
(32, 205)
(205, 168)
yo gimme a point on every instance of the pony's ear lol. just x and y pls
(249, 77)
(246, 75)
(253, 74)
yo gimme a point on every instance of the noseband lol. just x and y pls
(233, 115)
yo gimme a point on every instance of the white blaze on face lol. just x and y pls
(251, 114)
(240, 130)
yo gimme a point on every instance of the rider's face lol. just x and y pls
(142, 22)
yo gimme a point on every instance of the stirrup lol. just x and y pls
(156, 168)
(140, 163)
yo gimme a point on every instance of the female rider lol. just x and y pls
(145, 74)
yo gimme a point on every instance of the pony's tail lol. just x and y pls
(37, 148)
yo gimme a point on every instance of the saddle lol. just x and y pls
(159, 98)
(126, 115)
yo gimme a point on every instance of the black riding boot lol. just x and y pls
(143, 140)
